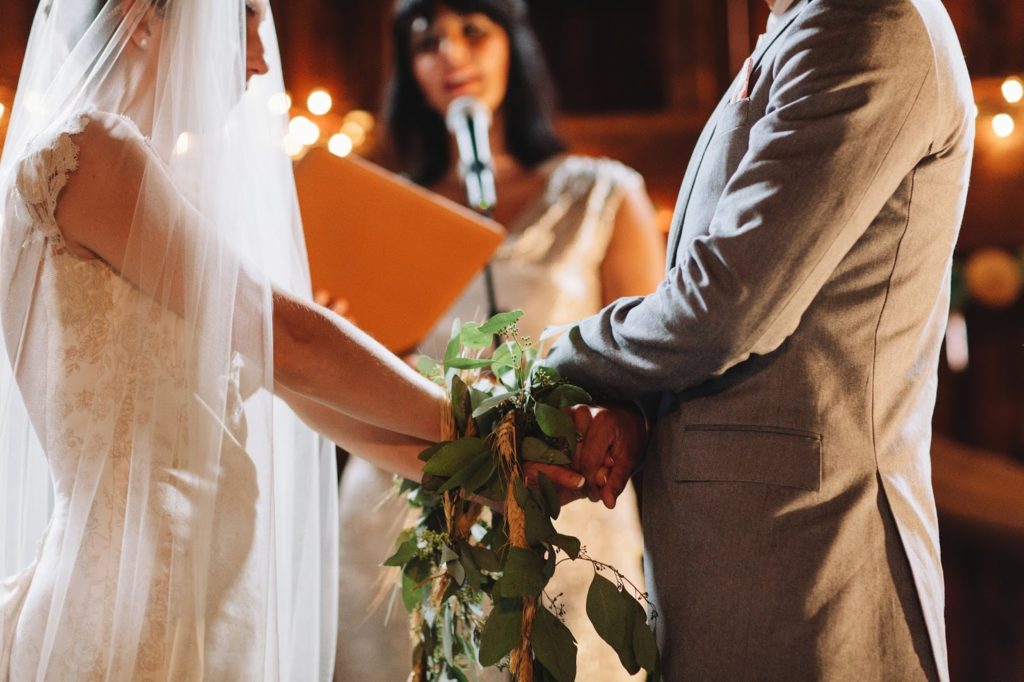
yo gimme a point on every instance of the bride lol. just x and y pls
(163, 513)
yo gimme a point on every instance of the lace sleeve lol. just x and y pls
(44, 172)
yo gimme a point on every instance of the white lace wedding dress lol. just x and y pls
(102, 360)
(550, 268)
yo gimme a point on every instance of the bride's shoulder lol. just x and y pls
(87, 160)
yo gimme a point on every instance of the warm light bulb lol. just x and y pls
(319, 102)
(363, 119)
(3, 110)
(1003, 125)
(280, 104)
(340, 145)
(304, 130)
(292, 146)
(1013, 90)
(355, 132)
(976, 111)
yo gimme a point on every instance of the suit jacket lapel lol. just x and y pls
(686, 189)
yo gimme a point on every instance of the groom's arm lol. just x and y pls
(851, 112)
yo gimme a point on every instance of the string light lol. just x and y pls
(1013, 90)
(355, 132)
(1003, 125)
(3, 110)
(280, 103)
(340, 145)
(319, 102)
(976, 111)
(292, 146)
(363, 119)
(304, 130)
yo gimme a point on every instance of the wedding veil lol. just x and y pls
(162, 514)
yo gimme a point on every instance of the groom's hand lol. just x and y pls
(613, 441)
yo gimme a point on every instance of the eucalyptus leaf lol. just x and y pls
(550, 495)
(502, 631)
(483, 461)
(468, 363)
(612, 619)
(536, 450)
(451, 351)
(493, 402)
(484, 558)
(482, 475)
(453, 456)
(567, 395)
(567, 543)
(554, 646)
(461, 403)
(406, 551)
(554, 423)
(411, 594)
(473, 336)
(500, 322)
(645, 646)
(523, 574)
(538, 522)
(457, 571)
(430, 452)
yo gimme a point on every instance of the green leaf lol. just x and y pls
(502, 631)
(554, 646)
(612, 619)
(430, 452)
(523, 574)
(493, 402)
(427, 366)
(474, 337)
(406, 551)
(645, 645)
(411, 594)
(481, 476)
(550, 495)
(500, 321)
(536, 450)
(468, 363)
(471, 470)
(473, 576)
(538, 522)
(567, 395)
(457, 571)
(461, 403)
(451, 351)
(485, 558)
(453, 456)
(567, 544)
(553, 422)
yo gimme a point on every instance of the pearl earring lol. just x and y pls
(143, 42)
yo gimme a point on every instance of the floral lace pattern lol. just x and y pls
(128, 481)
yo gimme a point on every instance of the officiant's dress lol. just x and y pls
(129, 583)
(549, 267)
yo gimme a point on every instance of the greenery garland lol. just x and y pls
(474, 580)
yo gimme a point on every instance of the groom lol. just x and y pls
(792, 350)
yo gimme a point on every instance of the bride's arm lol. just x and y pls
(388, 450)
(122, 207)
(323, 356)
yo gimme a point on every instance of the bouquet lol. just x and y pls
(473, 579)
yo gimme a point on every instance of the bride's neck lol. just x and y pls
(130, 91)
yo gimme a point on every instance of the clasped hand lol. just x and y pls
(612, 442)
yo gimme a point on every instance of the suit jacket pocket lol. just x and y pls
(749, 454)
(734, 115)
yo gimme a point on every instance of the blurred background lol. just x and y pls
(637, 79)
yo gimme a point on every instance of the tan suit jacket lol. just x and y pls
(793, 345)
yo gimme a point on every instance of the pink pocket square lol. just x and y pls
(743, 91)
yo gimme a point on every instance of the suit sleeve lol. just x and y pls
(844, 126)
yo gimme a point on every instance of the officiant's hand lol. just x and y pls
(613, 441)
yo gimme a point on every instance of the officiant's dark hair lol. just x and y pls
(418, 133)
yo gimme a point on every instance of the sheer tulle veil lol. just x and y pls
(231, 484)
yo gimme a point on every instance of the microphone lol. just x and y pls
(469, 120)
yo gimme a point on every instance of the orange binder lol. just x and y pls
(399, 254)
